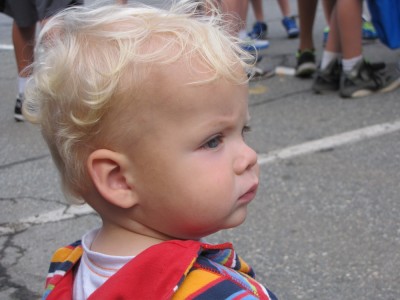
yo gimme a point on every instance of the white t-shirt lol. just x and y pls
(95, 268)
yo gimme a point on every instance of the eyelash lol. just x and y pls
(215, 138)
(246, 129)
(219, 138)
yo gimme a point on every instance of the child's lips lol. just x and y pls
(250, 194)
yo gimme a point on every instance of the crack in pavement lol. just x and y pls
(20, 292)
(19, 162)
(64, 213)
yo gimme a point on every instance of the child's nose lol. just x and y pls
(245, 160)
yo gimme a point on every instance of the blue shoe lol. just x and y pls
(326, 33)
(260, 31)
(291, 27)
(254, 45)
(368, 30)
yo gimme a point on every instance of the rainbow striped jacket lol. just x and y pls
(169, 270)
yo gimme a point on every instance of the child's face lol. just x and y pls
(192, 169)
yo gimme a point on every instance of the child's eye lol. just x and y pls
(213, 143)
(246, 129)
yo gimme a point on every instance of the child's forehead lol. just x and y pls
(186, 77)
(176, 86)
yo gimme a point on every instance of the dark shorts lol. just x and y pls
(27, 12)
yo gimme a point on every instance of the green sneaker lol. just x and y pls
(368, 31)
(305, 63)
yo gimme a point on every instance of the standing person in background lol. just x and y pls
(26, 14)
(260, 27)
(343, 66)
(306, 62)
(235, 13)
(306, 65)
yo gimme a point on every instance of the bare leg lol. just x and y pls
(349, 13)
(307, 10)
(285, 7)
(236, 11)
(328, 9)
(345, 29)
(258, 10)
(23, 39)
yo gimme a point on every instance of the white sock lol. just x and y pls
(348, 64)
(21, 85)
(327, 58)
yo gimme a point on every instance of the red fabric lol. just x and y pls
(63, 289)
(153, 274)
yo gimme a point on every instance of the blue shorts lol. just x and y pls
(27, 12)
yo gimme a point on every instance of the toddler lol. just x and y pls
(144, 111)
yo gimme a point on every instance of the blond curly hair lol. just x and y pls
(91, 61)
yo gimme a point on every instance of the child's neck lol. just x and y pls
(116, 240)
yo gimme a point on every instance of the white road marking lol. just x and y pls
(60, 214)
(329, 142)
(263, 159)
(6, 47)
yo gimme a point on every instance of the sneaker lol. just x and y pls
(328, 79)
(368, 30)
(18, 109)
(291, 27)
(366, 78)
(305, 63)
(254, 45)
(260, 31)
(256, 74)
(325, 35)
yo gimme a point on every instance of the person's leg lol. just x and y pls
(349, 22)
(24, 17)
(332, 49)
(260, 27)
(359, 78)
(306, 11)
(236, 14)
(285, 7)
(345, 35)
(305, 55)
(328, 6)
(23, 40)
(258, 10)
(328, 76)
(288, 21)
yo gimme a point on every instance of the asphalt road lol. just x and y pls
(325, 223)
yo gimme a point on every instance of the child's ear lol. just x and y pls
(106, 168)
